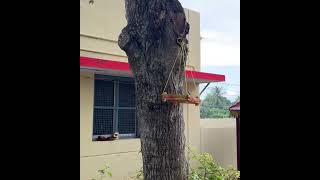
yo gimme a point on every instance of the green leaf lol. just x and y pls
(101, 171)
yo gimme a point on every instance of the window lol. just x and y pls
(114, 107)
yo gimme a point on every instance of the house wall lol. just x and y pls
(102, 22)
(219, 138)
(121, 155)
(100, 25)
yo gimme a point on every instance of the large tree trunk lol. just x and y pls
(150, 42)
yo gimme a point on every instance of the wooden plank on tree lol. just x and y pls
(177, 98)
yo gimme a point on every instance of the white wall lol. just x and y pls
(218, 137)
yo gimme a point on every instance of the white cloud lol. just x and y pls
(220, 31)
(219, 53)
(231, 93)
(211, 35)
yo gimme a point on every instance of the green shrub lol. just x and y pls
(209, 170)
(103, 173)
(139, 175)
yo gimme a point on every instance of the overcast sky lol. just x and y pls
(220, 28)
(220, 46)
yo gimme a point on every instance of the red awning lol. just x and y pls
(116, 68)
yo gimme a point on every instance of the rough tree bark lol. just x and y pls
(150, 42)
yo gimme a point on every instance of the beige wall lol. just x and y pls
(194, 39)
(102, 22)
(218, 137)
(122, 155)
(100, 25)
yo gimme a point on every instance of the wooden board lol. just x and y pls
(178, 98)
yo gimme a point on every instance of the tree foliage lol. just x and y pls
(215, 105)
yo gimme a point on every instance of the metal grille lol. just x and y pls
(103, 121)
(104, 93)
(127, 95)
(114, 106)
(126, 124)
